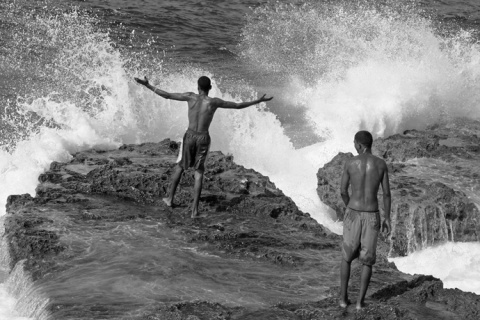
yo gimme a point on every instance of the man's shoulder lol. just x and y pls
(369, 157)
(348, 161)
(214, 101)
(358, 157)
(189, 96)
(377, 158)
(379, 162)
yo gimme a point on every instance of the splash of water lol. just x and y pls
(383, 68)
(350, 68)
(355, 67)
(461, 272)
(365, 67)
(362, 67)
(102, 107)
(16, 289)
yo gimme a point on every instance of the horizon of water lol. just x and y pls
(332, 67)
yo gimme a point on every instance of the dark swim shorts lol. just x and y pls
(194, 150)
(360, 233)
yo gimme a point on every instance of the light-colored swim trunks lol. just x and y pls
(360, 233)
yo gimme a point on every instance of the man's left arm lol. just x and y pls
(387, 202)
(219, 103)
(344, 184)
(164, 94)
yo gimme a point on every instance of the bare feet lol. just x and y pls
(344, 303)
(360, 305)
(198, 215)
(168, 202)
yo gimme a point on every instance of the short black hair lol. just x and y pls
(204, 83)
(364, 138)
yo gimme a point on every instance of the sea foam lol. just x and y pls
(456, 264)
(348, 69)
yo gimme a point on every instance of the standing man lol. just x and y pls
(196, 140)
(361, 224)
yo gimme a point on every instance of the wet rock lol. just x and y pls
(99, 243)
(425, 211)
(328, 185)
(446, 141)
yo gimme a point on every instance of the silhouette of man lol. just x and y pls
(361, 224)
(196, 141)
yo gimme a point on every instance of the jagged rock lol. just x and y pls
(328, 185)
(100, 244)
(424, 210)
(458, 138)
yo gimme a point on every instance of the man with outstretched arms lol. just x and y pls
(361, 224)
(196, 140)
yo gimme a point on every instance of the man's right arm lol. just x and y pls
(344, 184)
(219, 103)
(164, 94)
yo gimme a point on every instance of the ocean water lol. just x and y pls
(333, 67)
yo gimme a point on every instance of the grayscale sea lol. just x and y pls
(333, 67)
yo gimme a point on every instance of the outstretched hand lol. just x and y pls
(386, 227)
(262, 99)
(144, 82)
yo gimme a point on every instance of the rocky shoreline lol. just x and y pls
(98, 243)
(425, 211)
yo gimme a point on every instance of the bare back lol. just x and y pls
(365, 173)
(201, 110)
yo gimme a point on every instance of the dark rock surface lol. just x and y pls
(99, 244)
(427, 206)
(458, 138)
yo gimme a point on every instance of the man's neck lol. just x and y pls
(365, 151)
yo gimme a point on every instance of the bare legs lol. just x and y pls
(364, 282)
(196, 192)
(177, 175)
(344, 277)
(173, 186)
